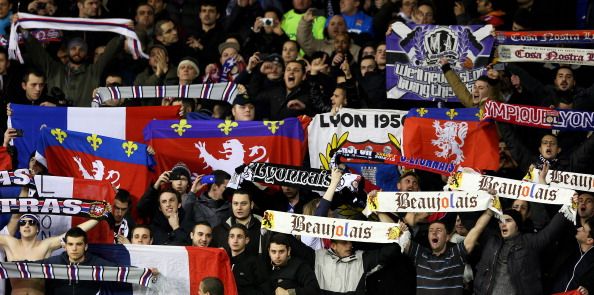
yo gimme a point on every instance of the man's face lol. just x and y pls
(522, 207)
(28, 227)
(3, 64)
(368, 50)
(301, 4)
(158, 5)
(153, 56)
(169, 35)
(275, 21)
(33, 87)
(119, 210)
(342, 248)
(336, 26)
(508, 227)
(549, 147)
(425, 14)
(77, 54)
(208, 15)
(584, 234)
(293, 75)
(342, 43)
(242, 206)
(201, 236)
(113, 81)
(5, 7)
(218, 190)
(438, 237)
(564, 79)
(460, 228)
(367, 66)
(408, 184)
(279, 254)
(89, 8)
(348, 7)
(289, 191)
(168, 204)
(290, 52)
(408, 6)
(480, 91)
(75, 248)
(62, 55)
(141, 236)
(380, 54)
(245, 112)
(338, 97)
(181, 184)
(586, 206)
(227, 54)
(237, 240)
(145, 16)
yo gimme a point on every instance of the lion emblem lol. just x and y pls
(268, 220)
(234, 155)
(393, 233)
(372, 202)
(450, 139)
(98, 170)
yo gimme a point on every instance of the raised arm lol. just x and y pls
(477, 230)
(322, 209)
(55, 243)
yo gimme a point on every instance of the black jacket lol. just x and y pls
(523, 261)
(249, 272)
(220, 234)
(276, 100)
(296, 275)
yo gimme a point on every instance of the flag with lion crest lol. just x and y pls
(370, 129)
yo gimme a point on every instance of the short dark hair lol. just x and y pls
(33, 72)
(209, 3)
(294, 42)
(280, 239)
(243, 192)
(220, 176)
(590, 223)
(145, 227)
(201, 223)
(212, 285)
(158, 30)
(170, 190)
(124, 196)
(144, 3)
(76, 232)
(278, 13)
(187, 102)
(241, 227)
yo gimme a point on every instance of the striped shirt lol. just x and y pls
(441, 274)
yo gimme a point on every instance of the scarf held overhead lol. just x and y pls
(429, 201)
(544, 37)
(114, 25)
(331, 228)
(563, 179)
(519, 53)
(70, 207)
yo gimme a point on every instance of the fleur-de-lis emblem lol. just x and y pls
(181, 127)
(422, 111)
(273, 125)
(452, 113)
(129, 148)
(59, 134)
(480, 114)
(95, 141)
(227, 126)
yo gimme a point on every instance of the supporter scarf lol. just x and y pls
(76, 272)
(429, 201)
(544, 37)
(512, 189)
(114, 25)
(427, 165)
(539, 117)
(53, 206)
(43, 36)
(568, 180)
(541, 161)
(306, 178)
(331, 228)
(518, 53)
(215, 91)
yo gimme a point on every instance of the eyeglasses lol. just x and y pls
(24, 222)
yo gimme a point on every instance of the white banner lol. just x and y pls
(568, 180)
(331, 228)
(512, 189)
(429, 201)
(521, 53)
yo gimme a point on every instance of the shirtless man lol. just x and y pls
(31, 249)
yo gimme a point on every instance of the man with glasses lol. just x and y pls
(28, 247)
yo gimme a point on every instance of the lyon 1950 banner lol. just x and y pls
(413, 52)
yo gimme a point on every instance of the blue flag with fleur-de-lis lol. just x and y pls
(456, 136)
(207, 145)
(126, 164)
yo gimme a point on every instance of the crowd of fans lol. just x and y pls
(305, 57)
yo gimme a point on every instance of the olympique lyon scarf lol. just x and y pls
(539, 117)
(306, 178)
(331, 228)
(544, 37)
(512, 189)
(429, 201)
(519, 53)
(427, 165)
(214, 91)
(53, 206)
(568, 180)
(114, 25)
(73, 272)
